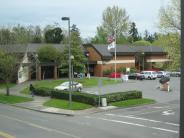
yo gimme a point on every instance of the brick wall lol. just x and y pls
(93, 54)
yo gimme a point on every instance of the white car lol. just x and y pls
(65, 86)
(149, 75)
(161, 74)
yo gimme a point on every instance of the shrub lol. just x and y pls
(107, 72)
(94, 99)
(43, 91)
(121, 96)
(133, 70)
(76, 96)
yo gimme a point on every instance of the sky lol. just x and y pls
(86, 14)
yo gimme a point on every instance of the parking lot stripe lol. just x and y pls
(144, 119)
(139, 125)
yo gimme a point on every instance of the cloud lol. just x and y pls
(86, 14)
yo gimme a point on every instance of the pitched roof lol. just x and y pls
(14, 48)
(33, 48)
(125, 50)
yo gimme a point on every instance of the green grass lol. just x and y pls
(3, 85)
(12, 99)
(86, 83)
(63, 104)
(94, 81)
(133, 102)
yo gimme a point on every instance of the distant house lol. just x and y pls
(29, 67)
(99, 59)
(139, 57)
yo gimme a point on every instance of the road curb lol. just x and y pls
(66, 114)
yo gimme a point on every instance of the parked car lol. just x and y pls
(161, 74)
(115, 75)
(175, 74)
(152, 75)
(136, 76)
(65, 86)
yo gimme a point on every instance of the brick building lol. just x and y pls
(139, 57)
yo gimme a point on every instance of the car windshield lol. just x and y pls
(65, 84)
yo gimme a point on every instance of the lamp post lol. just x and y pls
(143, 61)
(69, 56)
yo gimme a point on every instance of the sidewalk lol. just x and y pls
(37, 104)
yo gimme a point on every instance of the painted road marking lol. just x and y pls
(144, 119)
(5, 135)
(40, 127)
(168, 112)
(140, 125)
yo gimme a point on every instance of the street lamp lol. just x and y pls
(143, 61)
(69, 56)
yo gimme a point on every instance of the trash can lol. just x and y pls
(104, 102)
(164, 84)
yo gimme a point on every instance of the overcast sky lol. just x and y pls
(86, 14)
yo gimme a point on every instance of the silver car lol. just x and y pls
(75, 86)
(152, 75)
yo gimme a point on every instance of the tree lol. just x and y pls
(22, 34)
(6, 37)
(79, 60)
(133, 33)
(101, 36)
(114, 18)
(37, 36)
(170, 17)
(53, 35)
(141, 43)
(170, 24)
(48, 53)
(117, 19)
(171, 44)
(7, 68)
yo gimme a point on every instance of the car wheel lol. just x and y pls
(79, 89)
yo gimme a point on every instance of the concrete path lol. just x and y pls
(37, 103)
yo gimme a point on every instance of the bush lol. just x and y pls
(94, 99)
(43, 91)
(107, 72)
(76, 96)
(121, 96)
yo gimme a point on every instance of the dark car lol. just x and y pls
(136, 76)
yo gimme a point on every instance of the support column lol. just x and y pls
(55, 72)
(38, 73)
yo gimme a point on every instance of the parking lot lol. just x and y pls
(149, 89)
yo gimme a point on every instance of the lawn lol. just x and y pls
(64, 104)
(133, 102)
(86, 83)
(2, 85)
(12, 99)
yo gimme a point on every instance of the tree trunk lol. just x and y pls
(7, 89)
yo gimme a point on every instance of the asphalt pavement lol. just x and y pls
(149, 89)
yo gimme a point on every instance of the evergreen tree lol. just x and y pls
(133, 33)
(77, 52)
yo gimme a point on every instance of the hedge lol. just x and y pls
(121, 96)
(88, 98)
(42, 91)
(76, 96)
(94, 99)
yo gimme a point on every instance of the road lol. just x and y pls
(158, 120)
